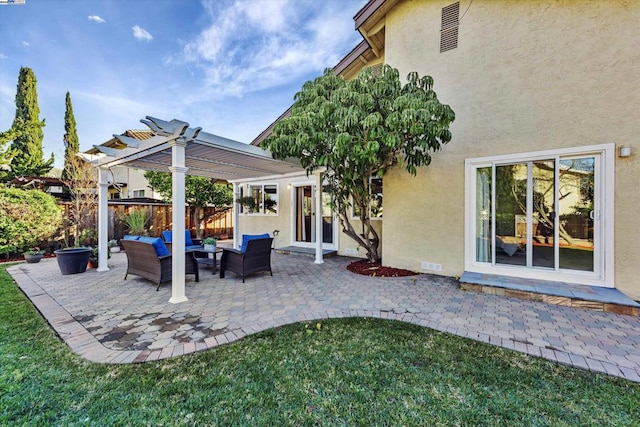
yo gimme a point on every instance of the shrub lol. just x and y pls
(136, 221)
(27, 218)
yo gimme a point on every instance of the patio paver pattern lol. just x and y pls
(106, 319)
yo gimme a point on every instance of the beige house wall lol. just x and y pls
(283, 221)
(135, 180)
(259, 224)
(526, 76)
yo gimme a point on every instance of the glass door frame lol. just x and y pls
(603, 274)
(294, 216)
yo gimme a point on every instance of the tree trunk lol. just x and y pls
(369, 239)
(76, 225)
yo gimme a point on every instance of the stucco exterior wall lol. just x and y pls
(526, 76)
(135, 180)
(258, 224)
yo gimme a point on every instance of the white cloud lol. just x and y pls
(250, 46)
(25, 43)
(96, 18)
(3, 56)
(141, 34)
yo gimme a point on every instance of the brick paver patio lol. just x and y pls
(109, 320)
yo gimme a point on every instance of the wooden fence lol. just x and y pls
(219, 222)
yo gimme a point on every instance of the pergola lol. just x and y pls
(182, 150)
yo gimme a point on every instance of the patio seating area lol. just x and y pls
(106, 319)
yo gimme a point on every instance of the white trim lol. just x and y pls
(319, 232)
(267, 178)
(292, 220)
(248, 186)
(133, 196)
(352, 208)
(603, 274)
(236, 216)
(103, 219)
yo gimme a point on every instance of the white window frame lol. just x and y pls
(292, 187)
(605, 278)
(263, 209)
(133, 192)
(372, 218)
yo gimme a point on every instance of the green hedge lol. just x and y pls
(27, 218)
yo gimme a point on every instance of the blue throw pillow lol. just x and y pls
(158, 245)
(130, 237)
(168, 237)
(247, 237)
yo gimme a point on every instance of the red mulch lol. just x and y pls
(366, 268)
(20, 258)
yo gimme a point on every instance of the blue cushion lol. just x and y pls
(130, 237)
(158, 245)
(247, 237)
(167, 236)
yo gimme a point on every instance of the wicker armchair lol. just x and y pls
(256, 257)
(143, 261)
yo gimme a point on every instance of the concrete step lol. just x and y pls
(309, 252)
(559, 293)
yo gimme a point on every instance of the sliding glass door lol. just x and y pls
(543, 214)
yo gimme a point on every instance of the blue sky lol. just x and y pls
(231, 67)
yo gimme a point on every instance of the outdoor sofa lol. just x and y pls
(253, 256)
(189, 243)
(149, 257)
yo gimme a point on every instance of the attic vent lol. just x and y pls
(449, 27)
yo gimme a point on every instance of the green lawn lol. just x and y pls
(348, 372)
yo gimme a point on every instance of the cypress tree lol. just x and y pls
(27, 145)
(71, 144)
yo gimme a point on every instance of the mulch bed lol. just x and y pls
(366, 268)
(21, 258)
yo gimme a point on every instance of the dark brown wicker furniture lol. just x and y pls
(257, 257)
(143, 261)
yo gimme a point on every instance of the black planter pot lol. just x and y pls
(33, 259)
(73, 260)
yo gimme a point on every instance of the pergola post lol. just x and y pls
(319, 234)
(236, 217)
(103, 219)
(178, 171)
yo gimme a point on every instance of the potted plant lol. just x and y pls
(113, 246)
(33, 255)
(73, 260)
(210, 244)
(248, 203)
(93, 258)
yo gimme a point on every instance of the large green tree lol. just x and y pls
(71, 143)
(357, 129)
(27, 145)
(200, 192)
(6, 153)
